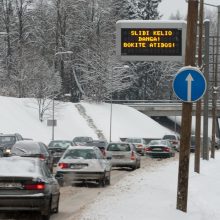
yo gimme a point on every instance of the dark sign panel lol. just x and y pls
(152, 41)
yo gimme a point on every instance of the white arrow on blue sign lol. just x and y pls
(189, 84)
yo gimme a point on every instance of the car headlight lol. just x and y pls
(8, 151)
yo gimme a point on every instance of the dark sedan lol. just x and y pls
(58, 147)
(7, 141)
(29, 148)
(160, 148)
(26, 184)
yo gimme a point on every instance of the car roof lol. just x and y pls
(61, 140)
(27, 143)
(81, 147)
(8, 135)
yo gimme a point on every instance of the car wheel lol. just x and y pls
(47, 216)
(56, 210)
(108, 180)
(139, 165)
(134, 167)
(60, 182)
(102, 181)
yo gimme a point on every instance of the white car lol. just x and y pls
(174, 140)
(140, 144)
(83, 163)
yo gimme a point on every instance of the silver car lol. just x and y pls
(26, 184)
(83, 163)
(123, 155)
(160, 148)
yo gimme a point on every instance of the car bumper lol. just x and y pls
(118, 163)
(159, 154)
(78, 176)
(37, 202)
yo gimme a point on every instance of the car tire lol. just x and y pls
(108, 180)
(139, 165)
(56, 210)
(102, 181)
(47, 216)
(134, 167)
(61, 183)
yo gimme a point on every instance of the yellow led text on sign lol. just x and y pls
(151, 41)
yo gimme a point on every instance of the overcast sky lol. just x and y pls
(167, 7)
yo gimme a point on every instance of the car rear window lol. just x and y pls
(59, 144)
(7, 139)
(21, 150)
(134, 140)
(14, 166)
(80, 154)
(170, 137)
(118, 147)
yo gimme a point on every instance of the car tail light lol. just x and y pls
(42, 157)
(167, 149)
(35, 186)
(63, 165)
(147, 149)
(132, 156)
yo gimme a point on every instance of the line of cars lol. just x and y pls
(27, 182)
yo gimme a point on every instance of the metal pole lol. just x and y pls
(183, 174)
(110, 134)
(215, 88)
(205, 149)
(53, 120)
(199, 104)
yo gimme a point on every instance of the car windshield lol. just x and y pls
(60, 144)
(80, 154)
(134, 140)
(170, 137)
(100, 144)
(118, 147)
(7, 139)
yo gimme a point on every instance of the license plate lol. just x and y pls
(156, 149)
(76, 166)
(10, 185)
(117, 157)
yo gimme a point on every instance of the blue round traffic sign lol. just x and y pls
(189, 84)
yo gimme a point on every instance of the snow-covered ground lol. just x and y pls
(151, 194)
(21, 116)
(147, 193)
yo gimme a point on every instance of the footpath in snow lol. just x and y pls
(150, 194)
